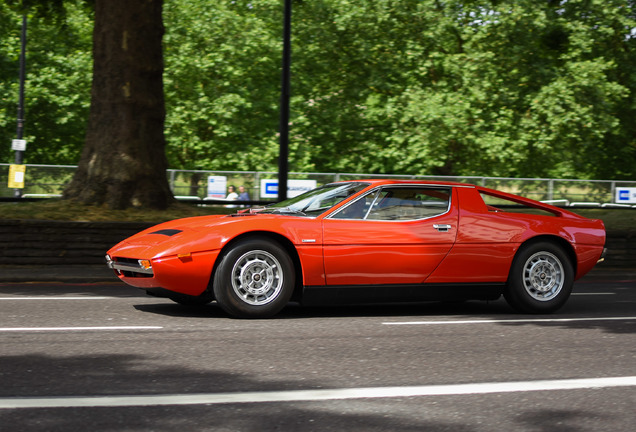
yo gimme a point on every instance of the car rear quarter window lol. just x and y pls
(497, 204)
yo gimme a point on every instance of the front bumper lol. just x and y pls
(186, 274)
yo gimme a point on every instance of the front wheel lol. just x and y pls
(540, 280)
(255, 279)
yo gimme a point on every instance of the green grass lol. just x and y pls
(68, 211)
(615, 220)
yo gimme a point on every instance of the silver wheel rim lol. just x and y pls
(543, 276)
(257, 277)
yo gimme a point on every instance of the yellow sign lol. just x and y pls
(16, 176)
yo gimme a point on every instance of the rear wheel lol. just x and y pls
(255, 279)
(540, 280)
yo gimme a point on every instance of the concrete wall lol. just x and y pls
(33, 242)
(621, 250)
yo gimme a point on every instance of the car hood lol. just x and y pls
(178, 236)
(167, 230)
(207, 233)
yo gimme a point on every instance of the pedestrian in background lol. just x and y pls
(243, 195)
(231, 195)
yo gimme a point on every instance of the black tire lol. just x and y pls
(540, 280)
(254, 279)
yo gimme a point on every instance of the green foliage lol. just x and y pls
(57, 88)
(52, 9)
(482, 87)
(222, 83)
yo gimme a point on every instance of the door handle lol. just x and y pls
(442, 227)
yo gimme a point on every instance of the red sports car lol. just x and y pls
(370, 241)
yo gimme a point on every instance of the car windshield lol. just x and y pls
(316, 201)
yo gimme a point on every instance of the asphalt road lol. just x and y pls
(105, 357)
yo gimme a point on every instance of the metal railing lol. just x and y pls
(50, 180)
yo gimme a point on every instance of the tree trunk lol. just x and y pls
(123, 162)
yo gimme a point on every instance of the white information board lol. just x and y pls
(18, 145)
(217, 186)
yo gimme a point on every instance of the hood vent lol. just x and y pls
(167, 232)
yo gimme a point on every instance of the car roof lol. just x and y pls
(383, 182)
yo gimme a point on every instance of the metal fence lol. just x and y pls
(50, 180)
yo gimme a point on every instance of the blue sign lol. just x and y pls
(269, 187)
(626, 195)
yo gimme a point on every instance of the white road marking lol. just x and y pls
(38, 329)
(495, 321)
(55, 298)
(593, 294)
(315, 395)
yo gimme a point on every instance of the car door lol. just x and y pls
(392, 235)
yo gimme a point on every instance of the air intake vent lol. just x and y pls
(167, 232)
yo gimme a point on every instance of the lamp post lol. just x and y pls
(19, 149)
(283, 163)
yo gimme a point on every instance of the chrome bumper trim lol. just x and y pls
(602, 258)
(119, 266)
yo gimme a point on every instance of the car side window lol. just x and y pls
(399, 203)
(357, 209)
